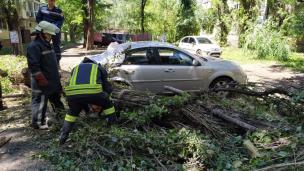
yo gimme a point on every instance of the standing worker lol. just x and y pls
(54, 15)
(88, 86)
(45, 81)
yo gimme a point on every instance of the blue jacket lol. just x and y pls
(53, 16)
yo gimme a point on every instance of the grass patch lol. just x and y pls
(241, 56)
(13, 65)
(295, 62)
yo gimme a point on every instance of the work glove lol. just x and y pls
(41, 80)
(111, 119)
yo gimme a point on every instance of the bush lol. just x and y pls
(13, 65)
(267, 43)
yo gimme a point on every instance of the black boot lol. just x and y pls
(66, 129)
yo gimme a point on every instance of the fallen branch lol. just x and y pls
(105, 149)
(4, 140)
(281, 165)
(253, 93)
(220, 113)
(174, 90)
(14, 96)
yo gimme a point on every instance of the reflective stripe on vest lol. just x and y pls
(109, 111)
(92, 88)
(70, 118)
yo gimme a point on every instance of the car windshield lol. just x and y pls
(114, 54)
(202, 40)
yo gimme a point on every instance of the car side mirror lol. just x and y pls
(195, 63)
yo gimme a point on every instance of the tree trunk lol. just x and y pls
(90, 33)
(85, 22)
(72, 33)
(142, 15)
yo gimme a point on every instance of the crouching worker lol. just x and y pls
(88, 85)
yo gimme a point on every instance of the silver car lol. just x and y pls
(200, 45)
(152, 65)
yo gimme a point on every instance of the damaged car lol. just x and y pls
(149, 66)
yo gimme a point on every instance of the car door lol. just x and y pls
(183, 43)
(192, 45)
(178, 70)
(141, 69)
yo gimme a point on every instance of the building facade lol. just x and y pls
(27, 11)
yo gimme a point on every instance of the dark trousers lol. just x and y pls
(56, 44)
(81, 102)
(39, 103)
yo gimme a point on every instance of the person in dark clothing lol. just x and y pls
(0, 45)
(88, 85)
(54, 15)
(45, 81)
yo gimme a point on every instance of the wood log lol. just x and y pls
(220, 113)
(174, 90)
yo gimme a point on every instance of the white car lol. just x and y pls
(152, 65)
(200, 45)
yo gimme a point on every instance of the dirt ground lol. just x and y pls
(21, 152)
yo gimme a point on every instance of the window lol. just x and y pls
(191, 40)
(140, 57)
(185, 40)
(202, 40)
(174, 57)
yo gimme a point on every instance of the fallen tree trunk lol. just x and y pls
(219, 113)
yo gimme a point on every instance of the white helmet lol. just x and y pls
(47, 27)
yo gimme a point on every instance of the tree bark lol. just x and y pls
(72, 33)
(142, 15)
(85, 22)
(90, 33)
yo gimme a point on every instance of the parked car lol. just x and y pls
(152, 65)
(200, 45)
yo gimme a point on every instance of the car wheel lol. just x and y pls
(199, 52)
(222, 82)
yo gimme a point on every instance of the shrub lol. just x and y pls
(13, 65)
(267, 43)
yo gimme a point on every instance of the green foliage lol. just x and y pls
(207, 19)
(156, 110)
(162, 19)
(266, 42)
(13, 65)
(187, 23)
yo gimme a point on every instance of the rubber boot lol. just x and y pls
(66, 129)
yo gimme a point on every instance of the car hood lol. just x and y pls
(221, 63)
(113, 55)
(209, 47)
